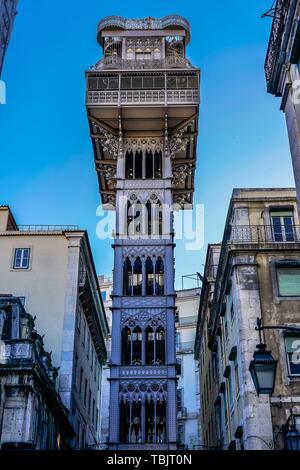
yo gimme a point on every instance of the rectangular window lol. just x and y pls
(75, 369)
(80, 381)
(236, 376)
(292, 347)
(103, 295)
(97, 417)
(85, 391)
(21, 258)
(230, 390)
(289, 281)
(90, 402)
(93, 412)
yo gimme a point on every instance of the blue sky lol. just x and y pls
(47, 171)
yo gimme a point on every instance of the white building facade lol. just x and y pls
(188, 402)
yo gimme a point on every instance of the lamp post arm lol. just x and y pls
(260, 327)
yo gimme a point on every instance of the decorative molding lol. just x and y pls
(181, 171)
(179, 141)
(143, 252)
(144, 318)
(144, 144)
(145, 390)
(109, 172)
(109, 142)
(144, 195)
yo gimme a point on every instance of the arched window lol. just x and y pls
(149, 165)
(132, 346)
(159, 277)
(150, 339)
(126, 346)
(127, 276)
(157, 165)
(134, 218)
(160, 345)
(131, 422)
(155, 422)
(140, 165)
(149, 276)
(137, 277)
(136, 338)
(155, 346)
(129, 168)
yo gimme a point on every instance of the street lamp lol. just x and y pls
(292, 436)
(263, 370)
(263, 367)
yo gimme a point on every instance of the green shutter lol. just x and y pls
(289, 281)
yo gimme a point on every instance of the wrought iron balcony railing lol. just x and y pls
(264, 234)
(115, 62)
(181, 412)
(47, 228)
(142, 97)
(278, 25)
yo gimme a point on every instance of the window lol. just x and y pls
(80, 381)
(292, 346)
(143, 165)
(103, 295)
(90, 402)
(75, 370)
(236, 377)
(97, 416)
(288, 281)
(85, 391)
(179, 399)
(283, 226)
(21, 259)
(132, 346)
(93, 412)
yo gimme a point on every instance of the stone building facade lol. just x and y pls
(8, 11)
(51, 269)
(142, 103)
(32, 415)
(258, 276)
(282, 72)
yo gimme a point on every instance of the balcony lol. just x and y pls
(263, 234)
(131, 89)
(185, 347)
(114, 62)
(182, 412)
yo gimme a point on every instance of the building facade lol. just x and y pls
(106, 286)
(32, 415)
(51, 269)
(8, 11)
(282, 72)
(188, 403)
(142, 103)
(258, 276)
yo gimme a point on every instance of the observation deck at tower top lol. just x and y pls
(144, 87)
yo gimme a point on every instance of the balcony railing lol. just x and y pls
(113, 62)
(185, 321)
(279, 21)
(142, 97)
(182, 412)
(47, 228)
(264, 234)
(185, 347)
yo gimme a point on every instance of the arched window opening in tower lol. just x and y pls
(155, 346)
(149, 276)
(131, 422)
(155, 219)
(143, 422)
(143, 165)
(137, 277)
(159, 277)
(135, 218)
(132, 346)
(127, 277)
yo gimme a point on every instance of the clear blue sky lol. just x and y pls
(47, 171)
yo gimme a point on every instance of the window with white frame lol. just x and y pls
(292, 347)
(21, 258)
(283, 225)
